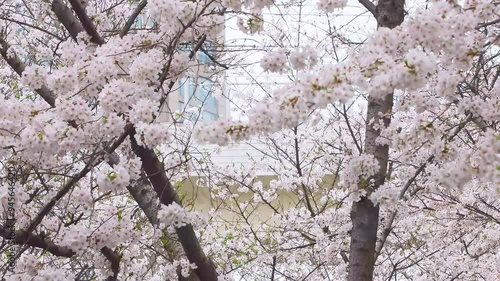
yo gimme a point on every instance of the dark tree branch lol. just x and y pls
(114, 259)
(23, 237)
(369, 6)
(213, 59)
(156, 174)
(18, 66)
(493, 22)
(299, 172)
(86, 22)
(353, 136)
(70, 184)
(274, 268)
(164, 74)
(191, 56)
(132, 18)
(66, 17)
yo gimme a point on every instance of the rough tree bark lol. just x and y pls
(155, 171)
(146, 198)
(364, 215)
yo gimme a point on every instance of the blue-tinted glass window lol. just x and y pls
(150, 23)
(143, 22)
(208, 116)
(198, 93)
(205, 93)
(137, 22)
(203, 58)
(205, 54)
(182, 86)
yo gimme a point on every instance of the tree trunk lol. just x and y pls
(364, 215)
(155, 171)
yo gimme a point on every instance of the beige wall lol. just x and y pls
(199, 198)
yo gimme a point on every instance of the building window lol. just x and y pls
(204, 93)
(203, 56)
(143, 22)
(198, 94)
(208, 116)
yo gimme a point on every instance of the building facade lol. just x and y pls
(198, 94)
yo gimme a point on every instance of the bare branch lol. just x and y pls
(86, 22)
(23, 237)
(493, 22)
(388, 227)
(69, 185)
(18, 66)
(369, 6)
(66, 17)
(33, 26)
(132, 18)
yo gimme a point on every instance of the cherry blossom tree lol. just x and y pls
(389, 156)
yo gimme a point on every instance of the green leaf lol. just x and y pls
(112, 176)
(363, 182)
(164, 241)
(178, 185)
